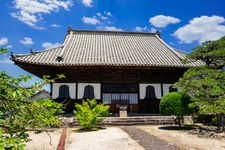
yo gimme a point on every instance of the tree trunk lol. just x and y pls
(219, 122)
(179, 119)
(179, 122)
(222, 122)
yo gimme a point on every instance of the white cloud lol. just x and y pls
(145, 29)
(30, 11)
(9, 46)
(26, 18)
(140, 29)
(101, 16)
(27, 41)
(109, 28)
(161, 21)
(3, 41)
(55, 25)
(105, 15)
(87, 3)
(90, 20)
(5, 60)
(48, 45)
(202, 29)
(109, 14)
(153, 30)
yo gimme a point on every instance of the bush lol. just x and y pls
(176, 103)
(88, 113)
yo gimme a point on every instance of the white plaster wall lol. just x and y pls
(166, 88)
(97, 89)
(55, 90)
(157, 87)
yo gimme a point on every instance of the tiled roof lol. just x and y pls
(108, 48)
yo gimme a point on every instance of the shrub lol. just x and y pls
(88, 113)
(176, 103)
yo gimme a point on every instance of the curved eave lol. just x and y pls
(80, 65)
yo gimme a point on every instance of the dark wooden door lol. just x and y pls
(149, 106)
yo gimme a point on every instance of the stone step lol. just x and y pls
(130, 120)
(140, 123)
(151, 120)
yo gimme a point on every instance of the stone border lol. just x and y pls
(61, 145)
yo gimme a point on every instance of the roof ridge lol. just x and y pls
(113, 32)
(66, 40)
(169, 47)
(178, 50)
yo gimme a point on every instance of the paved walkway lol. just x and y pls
(149, 142)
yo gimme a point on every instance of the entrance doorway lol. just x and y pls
(121, 94)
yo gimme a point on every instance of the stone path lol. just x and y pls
(149, 142)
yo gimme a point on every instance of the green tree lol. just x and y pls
(206, 84)
(176, 103)
(18, 113)
(89, 112)
(210, 52)
(207, 89)
(3, 50)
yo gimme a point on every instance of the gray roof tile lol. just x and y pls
(108, 48)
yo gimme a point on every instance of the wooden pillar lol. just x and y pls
(101, 97)
(76, 90)
(161, 83)
(138, 84)
(51, 88)
(161, 89)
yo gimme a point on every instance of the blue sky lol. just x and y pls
(40, 24)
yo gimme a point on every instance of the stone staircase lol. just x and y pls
(130, 120)
(139, 120)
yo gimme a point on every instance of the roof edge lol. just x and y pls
(36, 52)
(169, 47)
(100, 65)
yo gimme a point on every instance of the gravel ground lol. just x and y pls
(111, 138)
(41, 141)
(185, 140)
(114, 138)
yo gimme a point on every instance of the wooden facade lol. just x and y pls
(117, 68)
(115, 76)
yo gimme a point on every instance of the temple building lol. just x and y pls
(117, 68)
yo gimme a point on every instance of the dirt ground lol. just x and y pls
(185, 140)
